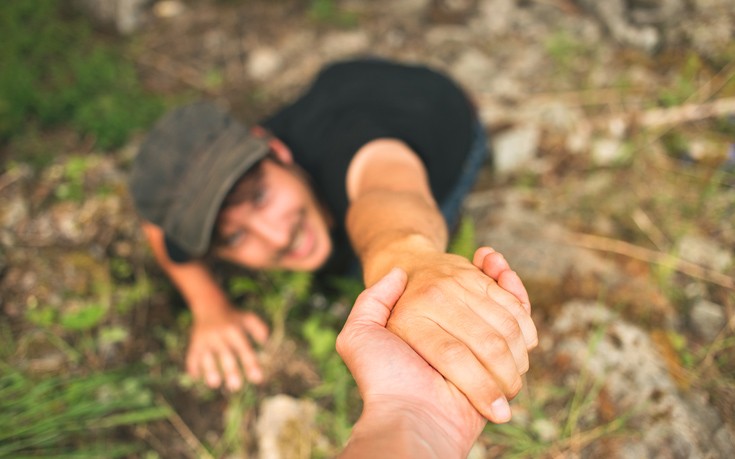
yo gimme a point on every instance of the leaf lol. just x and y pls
(84, 318)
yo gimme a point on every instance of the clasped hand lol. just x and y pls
(399, 388)
(474, 330)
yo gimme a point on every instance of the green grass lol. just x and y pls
(55, 73)
(72, 416)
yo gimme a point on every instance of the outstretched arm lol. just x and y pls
(472, 330)
(410, 410)
(219, 349)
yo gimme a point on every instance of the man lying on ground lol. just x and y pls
(363, 173)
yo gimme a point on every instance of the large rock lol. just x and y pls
(286, 428)
(668, 420)
(124, 16)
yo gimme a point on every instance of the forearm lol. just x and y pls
(404, 432)
(193, 279)
(392, 228)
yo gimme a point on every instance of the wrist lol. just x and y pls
(402, 251)
(210, 308)
(404, 428)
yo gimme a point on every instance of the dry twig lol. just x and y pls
(605, 244)
(661, 117)
(198, 450)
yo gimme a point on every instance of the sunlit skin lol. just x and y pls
(425, 416)
(282, 226)
(470, 328)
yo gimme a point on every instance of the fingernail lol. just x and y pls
(501, 410)
(233, 383)
(256, 376)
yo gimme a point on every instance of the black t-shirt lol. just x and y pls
(353, 102)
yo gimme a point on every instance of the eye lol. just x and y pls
(234, 239)
(258, 197)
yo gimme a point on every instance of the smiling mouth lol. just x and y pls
(299, 243)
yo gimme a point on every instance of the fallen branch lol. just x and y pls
(198, 450)
(605, 244)
(686, 113)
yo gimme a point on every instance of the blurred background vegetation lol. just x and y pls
(102, 375)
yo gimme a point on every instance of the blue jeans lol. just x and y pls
(451, 206)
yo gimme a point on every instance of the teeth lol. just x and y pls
(297, 240)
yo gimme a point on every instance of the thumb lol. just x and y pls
(375, 304)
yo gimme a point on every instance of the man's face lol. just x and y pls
(280, 224)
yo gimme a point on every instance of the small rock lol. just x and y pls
(707, 319)
(725, 441)
(471, 68)
(496, 16)
(168, 8)
(546, 430)
(126, 16)
(339, 44)
(607, 151)
(286, 428)
(515, 148)
(704, 252)
(263, 62)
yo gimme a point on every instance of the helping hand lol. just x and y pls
(220, 349)
(395, 381)
(473, 330)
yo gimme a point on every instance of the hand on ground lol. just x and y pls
(220, 350)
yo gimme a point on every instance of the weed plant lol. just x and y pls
(71, 416)
(55, 73)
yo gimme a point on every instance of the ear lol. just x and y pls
(281, 151)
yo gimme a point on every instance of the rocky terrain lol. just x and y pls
(611, 192)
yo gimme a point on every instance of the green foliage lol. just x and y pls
(685, 83)
(55, 74)
(557, 417)
(464, 241)
(327, 11)
(566, 51)
(337, 387)
(72, 416)
(72, 187)
(231, 443)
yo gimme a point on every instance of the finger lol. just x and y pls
(211, 373)
(493, 334)
(480, 255)
(375, 304)
(192, 363)
(485, 390)
(245, 354)
(255, 327)
(495, 266)
(230, 369)
(510, 281)
(497, 295)
(372, 308)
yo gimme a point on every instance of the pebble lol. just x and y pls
(707, 319)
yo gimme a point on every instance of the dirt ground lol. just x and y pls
(611, 192)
